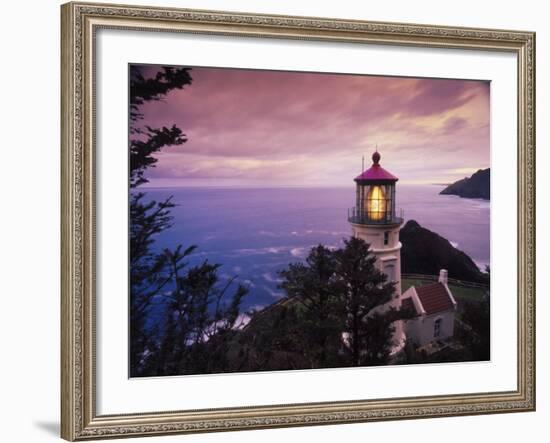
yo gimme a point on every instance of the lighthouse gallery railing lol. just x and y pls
(362, 217)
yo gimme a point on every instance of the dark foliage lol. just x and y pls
(335, 315)
(477, 331)
(199, 325)
(155, 88)
(146, 140)
(200, 318)
(141, 151)
(274, 339)
(365, 290)
(316, 288)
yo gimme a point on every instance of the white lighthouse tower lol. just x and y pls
(374, 220)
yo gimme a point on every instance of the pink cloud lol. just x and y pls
(313, 128)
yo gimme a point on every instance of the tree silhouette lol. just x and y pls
(341, 300)
(368, 321)
(148, 273)
(199, 322)
(315, 287)
(146, 140)
(143, 89)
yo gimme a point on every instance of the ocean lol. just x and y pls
(254, 233)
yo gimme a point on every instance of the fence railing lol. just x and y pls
(453, 281)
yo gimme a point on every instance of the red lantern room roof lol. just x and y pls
(376, 173)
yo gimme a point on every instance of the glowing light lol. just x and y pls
(376, 203)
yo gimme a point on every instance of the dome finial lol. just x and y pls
(376, 156)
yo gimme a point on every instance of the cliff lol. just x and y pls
(476, 186)
(425, 252)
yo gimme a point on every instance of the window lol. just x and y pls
(389, 270)
(386, 237)
(437, 327)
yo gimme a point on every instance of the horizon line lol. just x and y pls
(214, 186)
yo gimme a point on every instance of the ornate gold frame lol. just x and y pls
(79, 420)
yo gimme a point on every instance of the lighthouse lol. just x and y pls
(374, 220)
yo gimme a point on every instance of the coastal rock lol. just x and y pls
(425, 252)
(476, 186)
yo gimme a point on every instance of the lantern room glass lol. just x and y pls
(375, 203)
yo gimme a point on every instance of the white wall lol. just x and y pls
(421, 330)
(29, 238)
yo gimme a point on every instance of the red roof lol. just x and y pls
(434, 298)
(376, 172)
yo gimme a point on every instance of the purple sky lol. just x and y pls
(269, 128)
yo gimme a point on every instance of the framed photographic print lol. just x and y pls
(282, 221)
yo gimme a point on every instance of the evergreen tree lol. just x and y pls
(199, 322)
(368, 324)
(275, 339)
(316, 289)
(146, 141)
(148, 270)
(340, 299)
